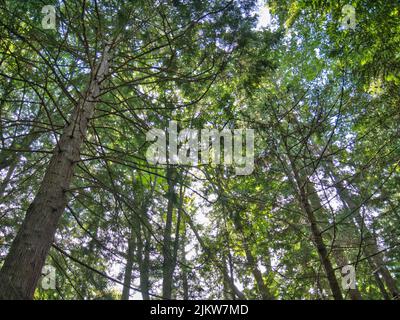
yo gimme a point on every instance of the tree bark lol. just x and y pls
(130, 257)
(341, 261)
(371, 248)
(316, 232)
(299, 181)
(168, 262)
(262, 288)
(22, 267)
(143, 257)
(185, 283)
(321, 248)
(338, 253)
(227, 291)
(381, 286)
(230, 282)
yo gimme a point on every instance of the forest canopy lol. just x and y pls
(156, 149)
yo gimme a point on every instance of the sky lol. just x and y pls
(264, 17)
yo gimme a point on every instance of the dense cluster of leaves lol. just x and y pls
(324, 104)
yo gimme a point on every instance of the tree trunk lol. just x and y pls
(316, 232)
(341, 261)
(168, 263)
(143, 254)
(299, 182)
(23, 264)
(228, 280)
(371, 247)
(227, 291)
(338, 253)
(321, 248)
(381, 286)
(262, 288)
(130, 257)
(185, 283)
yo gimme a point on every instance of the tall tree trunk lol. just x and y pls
(221, 265)
(130, 257)
(315, 230)
(321, 248)
(185, 283)
(371, 248)
(135, 238)
(227, 290)
(381, 286)
(168, 263)
(261, 286)
(341, 261)
(299, 180)
(23, 264)
(338, 253)
(228, 280)
(143, 257)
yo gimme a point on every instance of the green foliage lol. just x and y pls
(323, 102)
